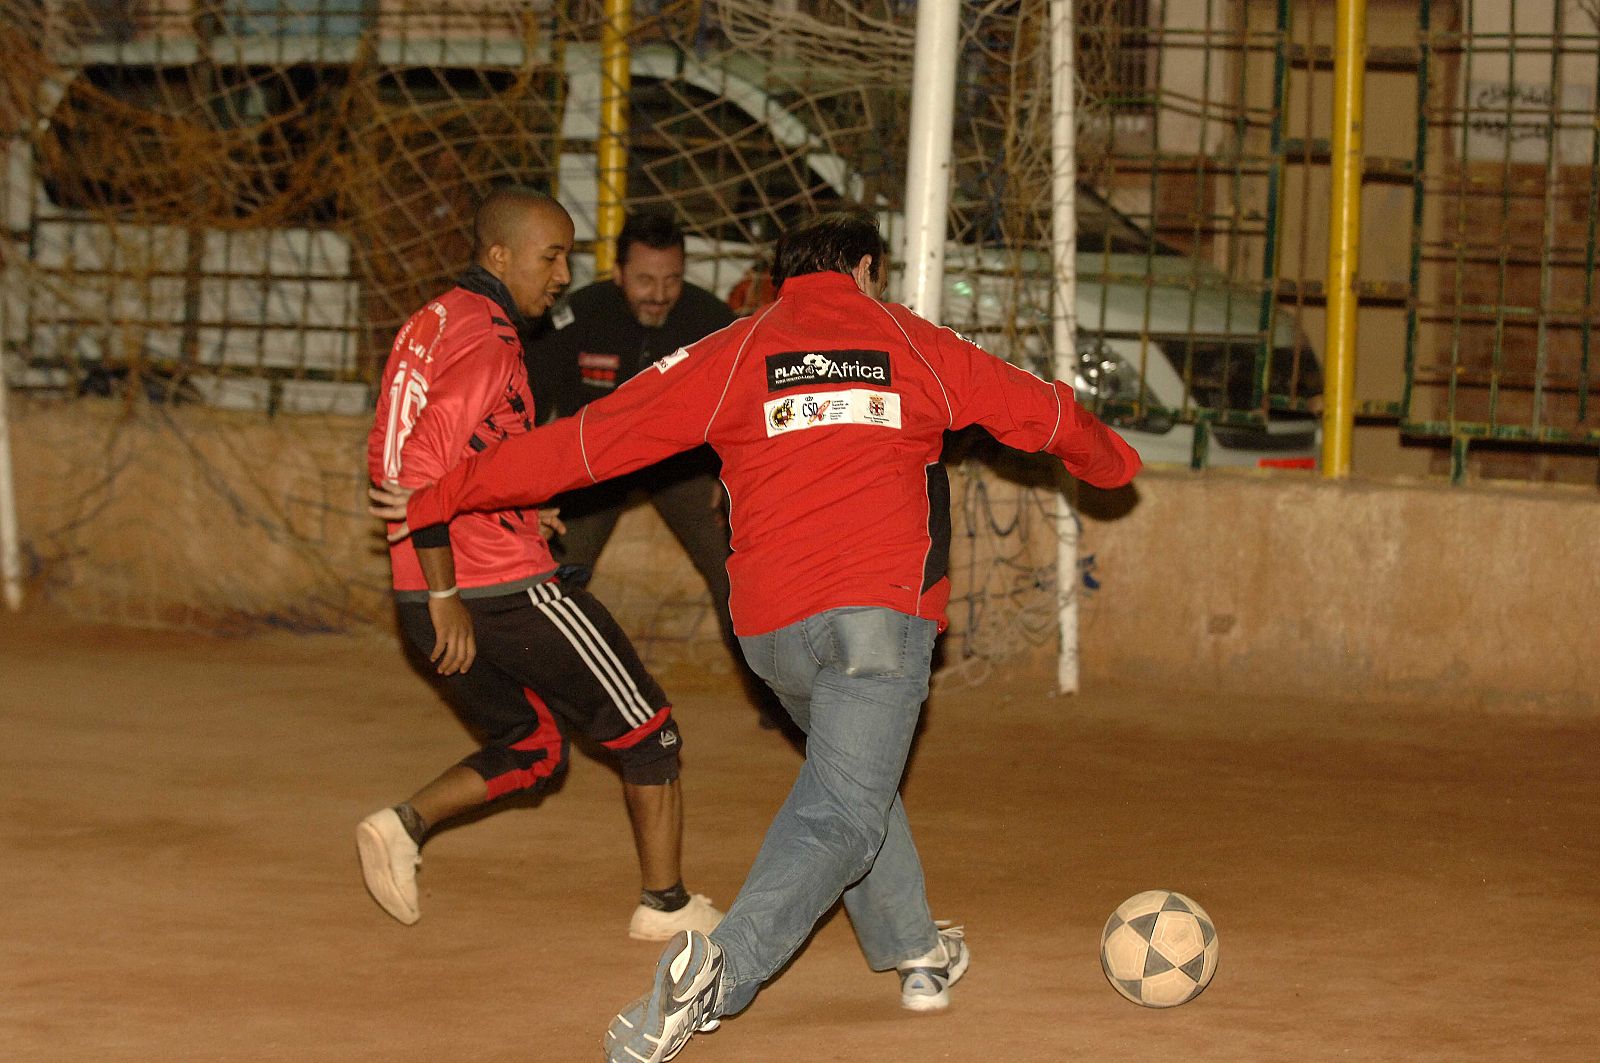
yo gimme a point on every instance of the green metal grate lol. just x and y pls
(1499, 338)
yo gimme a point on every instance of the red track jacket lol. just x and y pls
(455, 385)
(828, 410)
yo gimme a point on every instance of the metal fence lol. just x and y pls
(1500, 322)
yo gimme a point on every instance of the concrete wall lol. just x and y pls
(212, 520)
(196, 518)
(1251, 583)
(1359, 589)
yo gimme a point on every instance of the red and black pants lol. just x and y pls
(551, 663)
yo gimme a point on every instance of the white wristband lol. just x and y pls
(451, 593)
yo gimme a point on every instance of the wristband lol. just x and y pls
(451, 593)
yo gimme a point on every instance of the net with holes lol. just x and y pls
(219, 211)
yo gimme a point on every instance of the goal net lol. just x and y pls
(219, 212)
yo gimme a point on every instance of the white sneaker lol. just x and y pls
(389, 862)
(648, 924)
(925, 981)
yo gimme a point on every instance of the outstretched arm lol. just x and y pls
(1030, 414)
(389, 503)
(521, 471)
(663, 410)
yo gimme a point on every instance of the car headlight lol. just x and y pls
(1101, 375)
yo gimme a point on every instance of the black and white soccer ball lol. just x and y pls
(1159, 949)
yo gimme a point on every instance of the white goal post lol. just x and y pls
(1064, 317)
(927, 206)
(10, 541)
(933, 101)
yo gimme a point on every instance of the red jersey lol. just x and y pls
(828, 409)
(455, 385)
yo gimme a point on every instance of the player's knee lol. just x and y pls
(857, 825)
(653, 760)
(509, 769)
(558, 770)
(655, 772)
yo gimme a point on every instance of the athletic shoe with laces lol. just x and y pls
(925, 981)
(389, 862)
(651, 924)
(681, 1003)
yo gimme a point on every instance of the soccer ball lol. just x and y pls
(1159, 949)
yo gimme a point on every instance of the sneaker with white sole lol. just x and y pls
(925, 981)
(389, 862)
(651, 924)
(681, 1003)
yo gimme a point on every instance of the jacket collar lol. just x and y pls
(480, 281)
(823, 282)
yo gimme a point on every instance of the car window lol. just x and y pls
(159, 139)
(716, 165)
(978, 217)
(1104, 229)
(391, 155)
(235, 140)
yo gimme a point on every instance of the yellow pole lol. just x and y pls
(615, 81)
(1344, 236)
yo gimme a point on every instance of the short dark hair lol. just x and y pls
(651, 230)
(829, 243)
(499, 212)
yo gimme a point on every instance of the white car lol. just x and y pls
(1149, 318)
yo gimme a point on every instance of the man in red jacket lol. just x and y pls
(525, 658)
(828, 409)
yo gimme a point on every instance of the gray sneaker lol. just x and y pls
(925, 981)
(681, 1003)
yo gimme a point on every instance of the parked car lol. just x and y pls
(1149, 318)
(1168, 350)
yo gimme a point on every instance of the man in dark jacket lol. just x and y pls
(598, 339)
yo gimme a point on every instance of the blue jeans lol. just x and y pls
(854, 680)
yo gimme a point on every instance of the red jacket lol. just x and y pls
(455, 385)
(828, 409)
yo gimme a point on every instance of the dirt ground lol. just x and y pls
(179, 874)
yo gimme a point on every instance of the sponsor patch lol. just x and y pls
(663, 364)
(799, 369)
(780, 413)
(794, 413)
(598, 370)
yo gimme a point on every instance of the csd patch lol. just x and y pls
(795, 369)
(794, 413)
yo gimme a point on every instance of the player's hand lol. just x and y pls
(550, 523)
(454, 647)
(389, 502)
